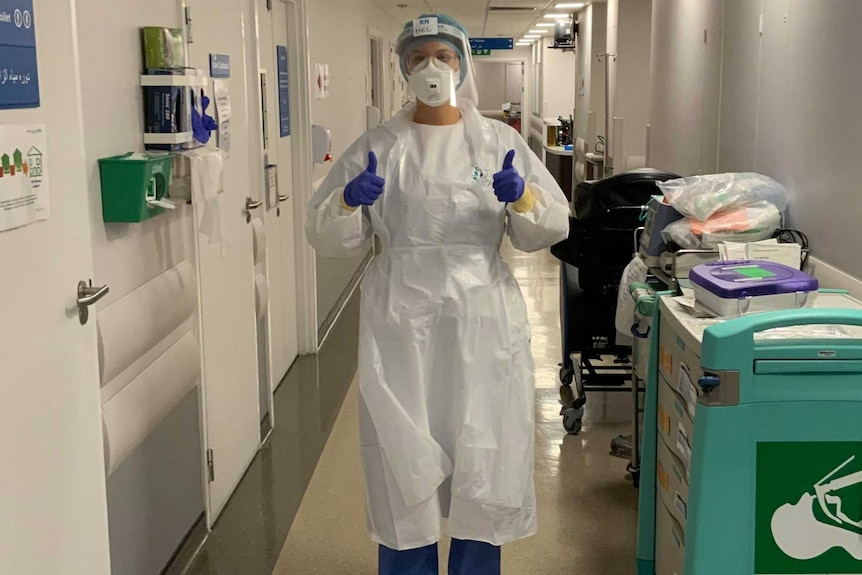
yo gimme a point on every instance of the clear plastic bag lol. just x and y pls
(635, 272)
(810, 332)
(750, 224)
(700, 197)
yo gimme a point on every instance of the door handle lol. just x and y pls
(249, 206)
(87, 296)
(281, 198)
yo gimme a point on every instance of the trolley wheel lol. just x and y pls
(567, 376)
(573, 421)
(636, 475)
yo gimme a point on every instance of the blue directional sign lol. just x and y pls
(220, 65)
(492, 43)
(19, 67)
(283, 91)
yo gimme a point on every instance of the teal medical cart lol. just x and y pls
(752, 455)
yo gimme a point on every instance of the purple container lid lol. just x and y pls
(742, 279)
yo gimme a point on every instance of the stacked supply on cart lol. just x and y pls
(736, 207)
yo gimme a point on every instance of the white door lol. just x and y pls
(53, 509)
(277, 161)
(514, 81)
(229, 340)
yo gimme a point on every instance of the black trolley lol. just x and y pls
(592, 261)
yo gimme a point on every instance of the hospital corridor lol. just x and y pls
(430, 287)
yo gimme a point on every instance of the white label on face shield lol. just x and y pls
(425, 27)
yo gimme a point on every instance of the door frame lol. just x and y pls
(303, 173)
(382, 79)
(526, 111)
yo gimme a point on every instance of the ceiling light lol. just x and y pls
(557, 16)
(539, 31)
(532, 37)
(568, 6)
(523, 43)
(546, 24)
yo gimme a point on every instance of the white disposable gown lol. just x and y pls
(446, 371)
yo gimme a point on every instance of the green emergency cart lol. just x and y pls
(752, 456)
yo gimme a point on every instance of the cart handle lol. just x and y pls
(731, 343)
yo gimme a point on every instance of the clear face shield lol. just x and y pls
(436, 61)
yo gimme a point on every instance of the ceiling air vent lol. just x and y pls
(519, 9)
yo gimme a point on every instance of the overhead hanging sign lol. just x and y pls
(19, 68)
(492, 43)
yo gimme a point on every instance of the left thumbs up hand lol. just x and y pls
(508, 183)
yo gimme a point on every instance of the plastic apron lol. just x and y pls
(446, 372)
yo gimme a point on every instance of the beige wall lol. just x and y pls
(339, 36)
(790, 110)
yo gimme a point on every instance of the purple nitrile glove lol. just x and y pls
(508, 183)
(366, 187)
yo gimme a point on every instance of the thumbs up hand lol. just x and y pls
(366, 187)
(508, 183)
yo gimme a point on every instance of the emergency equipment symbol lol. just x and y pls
(809, 508)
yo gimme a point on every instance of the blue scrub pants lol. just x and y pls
(465, 558)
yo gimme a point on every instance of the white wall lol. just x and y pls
(685, 72)
(590, 73)
(629, 34)
(790, 110)
(339, 36)
(558, 80)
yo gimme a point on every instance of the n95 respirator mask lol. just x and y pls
(433, 83)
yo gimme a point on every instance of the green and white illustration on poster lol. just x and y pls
(809, 508)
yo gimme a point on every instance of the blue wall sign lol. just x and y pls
(220, 65)
(19, 68)
(492, 43)
(283, 91)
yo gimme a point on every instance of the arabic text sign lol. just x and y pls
(19, 69)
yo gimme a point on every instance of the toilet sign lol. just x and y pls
(19, 69)
(808, 508)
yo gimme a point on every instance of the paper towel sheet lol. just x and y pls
(133, 325)
(133, 413)
(206, 168)
(259, 236)
(261, 294)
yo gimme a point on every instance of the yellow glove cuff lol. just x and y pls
(526, 203)
(344, 205)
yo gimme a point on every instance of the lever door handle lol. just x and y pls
(249, 206)
(87, 296)
(283, 198)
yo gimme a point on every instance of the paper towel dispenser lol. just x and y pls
(321, 144)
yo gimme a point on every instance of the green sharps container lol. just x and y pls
(135, 186)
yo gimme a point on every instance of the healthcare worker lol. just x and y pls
(446, 372)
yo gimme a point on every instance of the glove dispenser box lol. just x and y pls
(135, 187)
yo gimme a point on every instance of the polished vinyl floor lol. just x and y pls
(587, 505)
